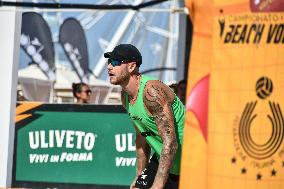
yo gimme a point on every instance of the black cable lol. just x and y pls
(79, 6)
(150, 3)
(158, 69)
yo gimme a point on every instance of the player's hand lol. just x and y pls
(156, 185)
(132, 186)
(153, 187)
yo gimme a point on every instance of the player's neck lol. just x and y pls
(132, 88)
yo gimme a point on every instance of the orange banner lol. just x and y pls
(234, 130)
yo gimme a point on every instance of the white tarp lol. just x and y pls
(35, 89)
(36, 86)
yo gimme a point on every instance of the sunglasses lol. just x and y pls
(88, 92)
(114, 62)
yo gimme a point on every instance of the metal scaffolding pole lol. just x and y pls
(9, 60)
(101, 65)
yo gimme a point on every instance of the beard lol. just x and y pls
(120, 79)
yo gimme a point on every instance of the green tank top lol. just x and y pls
(147, 126)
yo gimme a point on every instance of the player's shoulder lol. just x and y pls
(154, 84)
(155, 89)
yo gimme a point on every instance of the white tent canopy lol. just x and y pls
(64, 76)
(36, 86)
(35, 89)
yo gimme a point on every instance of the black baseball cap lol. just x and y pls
(126, 52)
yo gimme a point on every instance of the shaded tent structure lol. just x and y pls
(33, 85)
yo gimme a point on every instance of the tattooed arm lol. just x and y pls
(143, 152)
(158, 99)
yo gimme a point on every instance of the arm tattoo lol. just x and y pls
(158, 101)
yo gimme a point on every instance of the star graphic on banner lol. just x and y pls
(258, 176)
(244, 170)
(233, 160)
(273, 172)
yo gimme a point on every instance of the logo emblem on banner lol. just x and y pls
(258, 146)
(266, 6)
